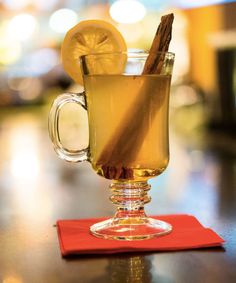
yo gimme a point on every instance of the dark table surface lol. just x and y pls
(36, 189)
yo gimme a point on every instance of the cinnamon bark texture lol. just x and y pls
(125, 142)
(160, 43)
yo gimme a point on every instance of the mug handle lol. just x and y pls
(53, 127)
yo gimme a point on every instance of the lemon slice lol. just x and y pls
(92, 37)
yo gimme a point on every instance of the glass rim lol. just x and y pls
(131, 54)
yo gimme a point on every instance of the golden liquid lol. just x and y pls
(128, 124)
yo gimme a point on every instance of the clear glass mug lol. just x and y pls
(128, 136)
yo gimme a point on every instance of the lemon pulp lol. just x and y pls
(91, 37)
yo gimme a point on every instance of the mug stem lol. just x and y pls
(130, 221)
(130, 198)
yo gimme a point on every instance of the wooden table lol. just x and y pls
(36, 189)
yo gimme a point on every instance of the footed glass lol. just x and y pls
(128, 136)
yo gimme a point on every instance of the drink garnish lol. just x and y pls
(91, 37)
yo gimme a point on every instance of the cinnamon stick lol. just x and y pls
(128, 138)
(160, 43)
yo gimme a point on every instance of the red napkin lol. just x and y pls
(188, 233)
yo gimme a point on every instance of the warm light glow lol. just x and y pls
(127, 11)
(131, 33)
(25, 163)
(179, 45)
(25, 148)
(12, 279)
(25, 166)
(10, 50)
(62, 20)
(22, 26)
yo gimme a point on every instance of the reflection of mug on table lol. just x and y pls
(128, 126)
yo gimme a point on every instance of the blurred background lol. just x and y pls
(202, 115)
(204, 40)
(37, 188)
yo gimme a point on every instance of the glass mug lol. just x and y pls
(128, 136)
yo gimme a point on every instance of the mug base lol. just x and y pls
(130, 229)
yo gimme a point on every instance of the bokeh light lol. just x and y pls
(41, 61)
(33, 90)
(22, 26)
(25, 158)
(28, 88)
(62, 20)
(18, 84)
(10, 48)
(127, 11)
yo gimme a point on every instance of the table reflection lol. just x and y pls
(36, 189)
(12, 279)
(131, 269)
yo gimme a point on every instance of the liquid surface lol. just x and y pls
(128, 124)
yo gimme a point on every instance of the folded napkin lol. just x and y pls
(188, 233)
